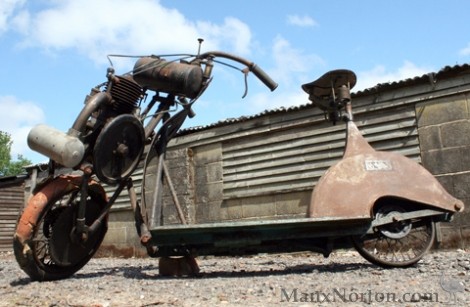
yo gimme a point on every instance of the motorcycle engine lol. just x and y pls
(120, 143)
(126, 93)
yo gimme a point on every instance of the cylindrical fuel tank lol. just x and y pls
(170, 77)
(57, 145)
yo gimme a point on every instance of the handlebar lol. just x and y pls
(257, 71)
(184, 78)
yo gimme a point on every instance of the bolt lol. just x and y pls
(122, 150)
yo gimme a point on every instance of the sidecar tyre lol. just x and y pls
(42, 244)
(401, 244)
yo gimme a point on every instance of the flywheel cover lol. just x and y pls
(118, 149)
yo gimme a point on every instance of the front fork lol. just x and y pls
(81, 230)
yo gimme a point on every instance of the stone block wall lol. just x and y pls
(444, 135)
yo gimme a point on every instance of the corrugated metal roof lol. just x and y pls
(229, 121)
(430, 78)
(9, 180)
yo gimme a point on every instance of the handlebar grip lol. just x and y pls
(263, 77)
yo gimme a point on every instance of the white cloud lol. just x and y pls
(465, 51)
(301, 21)
(7, 8)
(97, 28)
(379, 74)
(292, 66)
(17, 118)
(232, 34)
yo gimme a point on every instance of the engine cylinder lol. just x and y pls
(57, 145)
(170, 77)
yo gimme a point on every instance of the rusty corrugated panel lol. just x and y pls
(428, 78)
(294, 159)
(11, 204)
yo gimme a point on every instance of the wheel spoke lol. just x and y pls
(398, 244)
(54, 254)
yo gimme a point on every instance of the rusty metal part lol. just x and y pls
(92, 104)
(126, 94)
(255, 69)
(178, 266)
(44, 244)
(36, 204)
(118, 149)
(169, 77)
(398, 244)
(351, 187)
(30, 216)
(255, 236)
(68, 245)
(141, 220)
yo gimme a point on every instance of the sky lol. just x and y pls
(53, 52)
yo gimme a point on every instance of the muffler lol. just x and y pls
(65, 149)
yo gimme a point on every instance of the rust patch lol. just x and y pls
(36, 204)
(353, 185)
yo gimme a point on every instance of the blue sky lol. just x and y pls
(53, 51)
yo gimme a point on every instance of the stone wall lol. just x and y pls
(444, 135)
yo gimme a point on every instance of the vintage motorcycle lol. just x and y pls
(382, 203)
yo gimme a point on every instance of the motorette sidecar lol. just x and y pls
(382, 203)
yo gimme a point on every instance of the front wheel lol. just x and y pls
(44, 244)
(399, 244)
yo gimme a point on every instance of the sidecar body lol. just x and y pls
(366, 193)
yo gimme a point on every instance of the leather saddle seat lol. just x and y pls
(325, 90)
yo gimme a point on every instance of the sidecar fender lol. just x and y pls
(351, 187)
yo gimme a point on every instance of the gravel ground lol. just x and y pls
(301, 279)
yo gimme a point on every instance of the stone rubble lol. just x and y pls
(300, 279)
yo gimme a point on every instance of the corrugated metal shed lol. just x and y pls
(11, 204)
(252, 164)
(429, 78)
(294, 159)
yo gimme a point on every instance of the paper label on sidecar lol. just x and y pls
(378, 165)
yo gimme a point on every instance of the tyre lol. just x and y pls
(44, 244)
(399, 244)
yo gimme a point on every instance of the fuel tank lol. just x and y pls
(169, 77)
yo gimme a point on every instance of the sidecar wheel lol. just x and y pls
(400, 244)
(43, 245)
